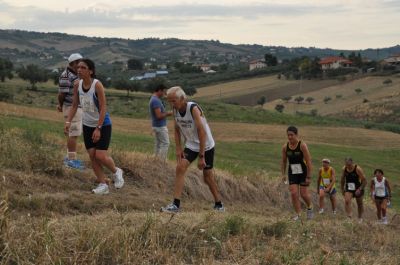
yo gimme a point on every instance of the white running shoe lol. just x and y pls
(321, 211)
(101, 189)
(118, 179)
(360, 220)
(310, 214)
(384, 220)
(334, 212)
(296, 218)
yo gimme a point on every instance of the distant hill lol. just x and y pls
(51, 49)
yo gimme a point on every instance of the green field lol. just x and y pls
(247, 158)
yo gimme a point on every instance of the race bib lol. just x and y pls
(87, 104)
(351, 186)
(380, 192)
(296, 169)
(327, 181)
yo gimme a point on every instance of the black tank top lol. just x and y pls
(296, 157)
(352, 177)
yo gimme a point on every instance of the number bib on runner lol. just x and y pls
(296, 169)
(380, 192)
(327, 181)
(351, 186)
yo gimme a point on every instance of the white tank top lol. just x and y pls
(188, 129)
(90, 106)
(380, 187)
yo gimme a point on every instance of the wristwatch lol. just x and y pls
(99, 127)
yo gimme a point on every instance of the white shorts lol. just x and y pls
(76, 123)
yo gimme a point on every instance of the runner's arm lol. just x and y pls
(342, 181)
(201, 132)
(372, 188)
(284, 161)
(75, 103)
(333, 179)
(102, 103)
(360, 172)
(389, 188)
(319, 180)
(307, 158)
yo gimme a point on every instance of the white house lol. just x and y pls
(205, 67)
(257, 64)
(392, 60)
(334, 62)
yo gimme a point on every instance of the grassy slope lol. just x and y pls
(52, 218)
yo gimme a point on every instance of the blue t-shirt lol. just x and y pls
(155, 103)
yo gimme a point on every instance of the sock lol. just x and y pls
(218, 204)
(177, 202)
(71, 155)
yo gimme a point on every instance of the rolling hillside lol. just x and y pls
(375, 100)
(48, 216)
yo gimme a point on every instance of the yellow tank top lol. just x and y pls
(326, 177)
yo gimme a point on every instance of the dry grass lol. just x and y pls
(237, 132)
(49, 217)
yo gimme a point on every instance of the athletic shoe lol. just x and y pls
(310, 214)
(334, 212)
(219, 208)
(296, 218)
(101, 189)
(75, 164)
(321, 211)
(360, 220)
(384, 221)
(170, 208)
(118, 179)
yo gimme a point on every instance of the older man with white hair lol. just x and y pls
(191, 124)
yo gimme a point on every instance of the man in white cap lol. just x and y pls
(65, 96)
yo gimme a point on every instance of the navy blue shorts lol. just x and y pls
(208, 156)
(104, 141)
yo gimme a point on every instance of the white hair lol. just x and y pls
(178, 91)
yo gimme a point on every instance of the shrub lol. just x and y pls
(279, 108)
(277, 229)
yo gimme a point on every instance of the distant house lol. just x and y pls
(257, 64)
(392, 60)
(210, 72)
(162, 66)
(136, 78)
(149, 75)
(205, 67)
(161, 72)
(334, 62)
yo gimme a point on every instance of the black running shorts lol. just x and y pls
(299, 179)
(104, 141)
(208, 155)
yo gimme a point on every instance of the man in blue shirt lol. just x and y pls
(159, 121)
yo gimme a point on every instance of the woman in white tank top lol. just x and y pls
(380, 194)
(89, 92)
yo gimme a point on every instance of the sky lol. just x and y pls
(338, 24)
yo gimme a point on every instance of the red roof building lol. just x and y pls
(334, 62)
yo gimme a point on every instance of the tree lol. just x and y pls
(310, 100)
(270, 60)
(155, 82)
(33, 74)
(279, 108)
(6, 68)
(261, 101)
(299, 99)
(327, 99)
(287, 99)
(358, 90)
(128, 85)
(135, 64)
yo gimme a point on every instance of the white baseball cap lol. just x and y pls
(74, 57)
(326, 160)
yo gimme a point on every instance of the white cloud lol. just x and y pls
(351, 24)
